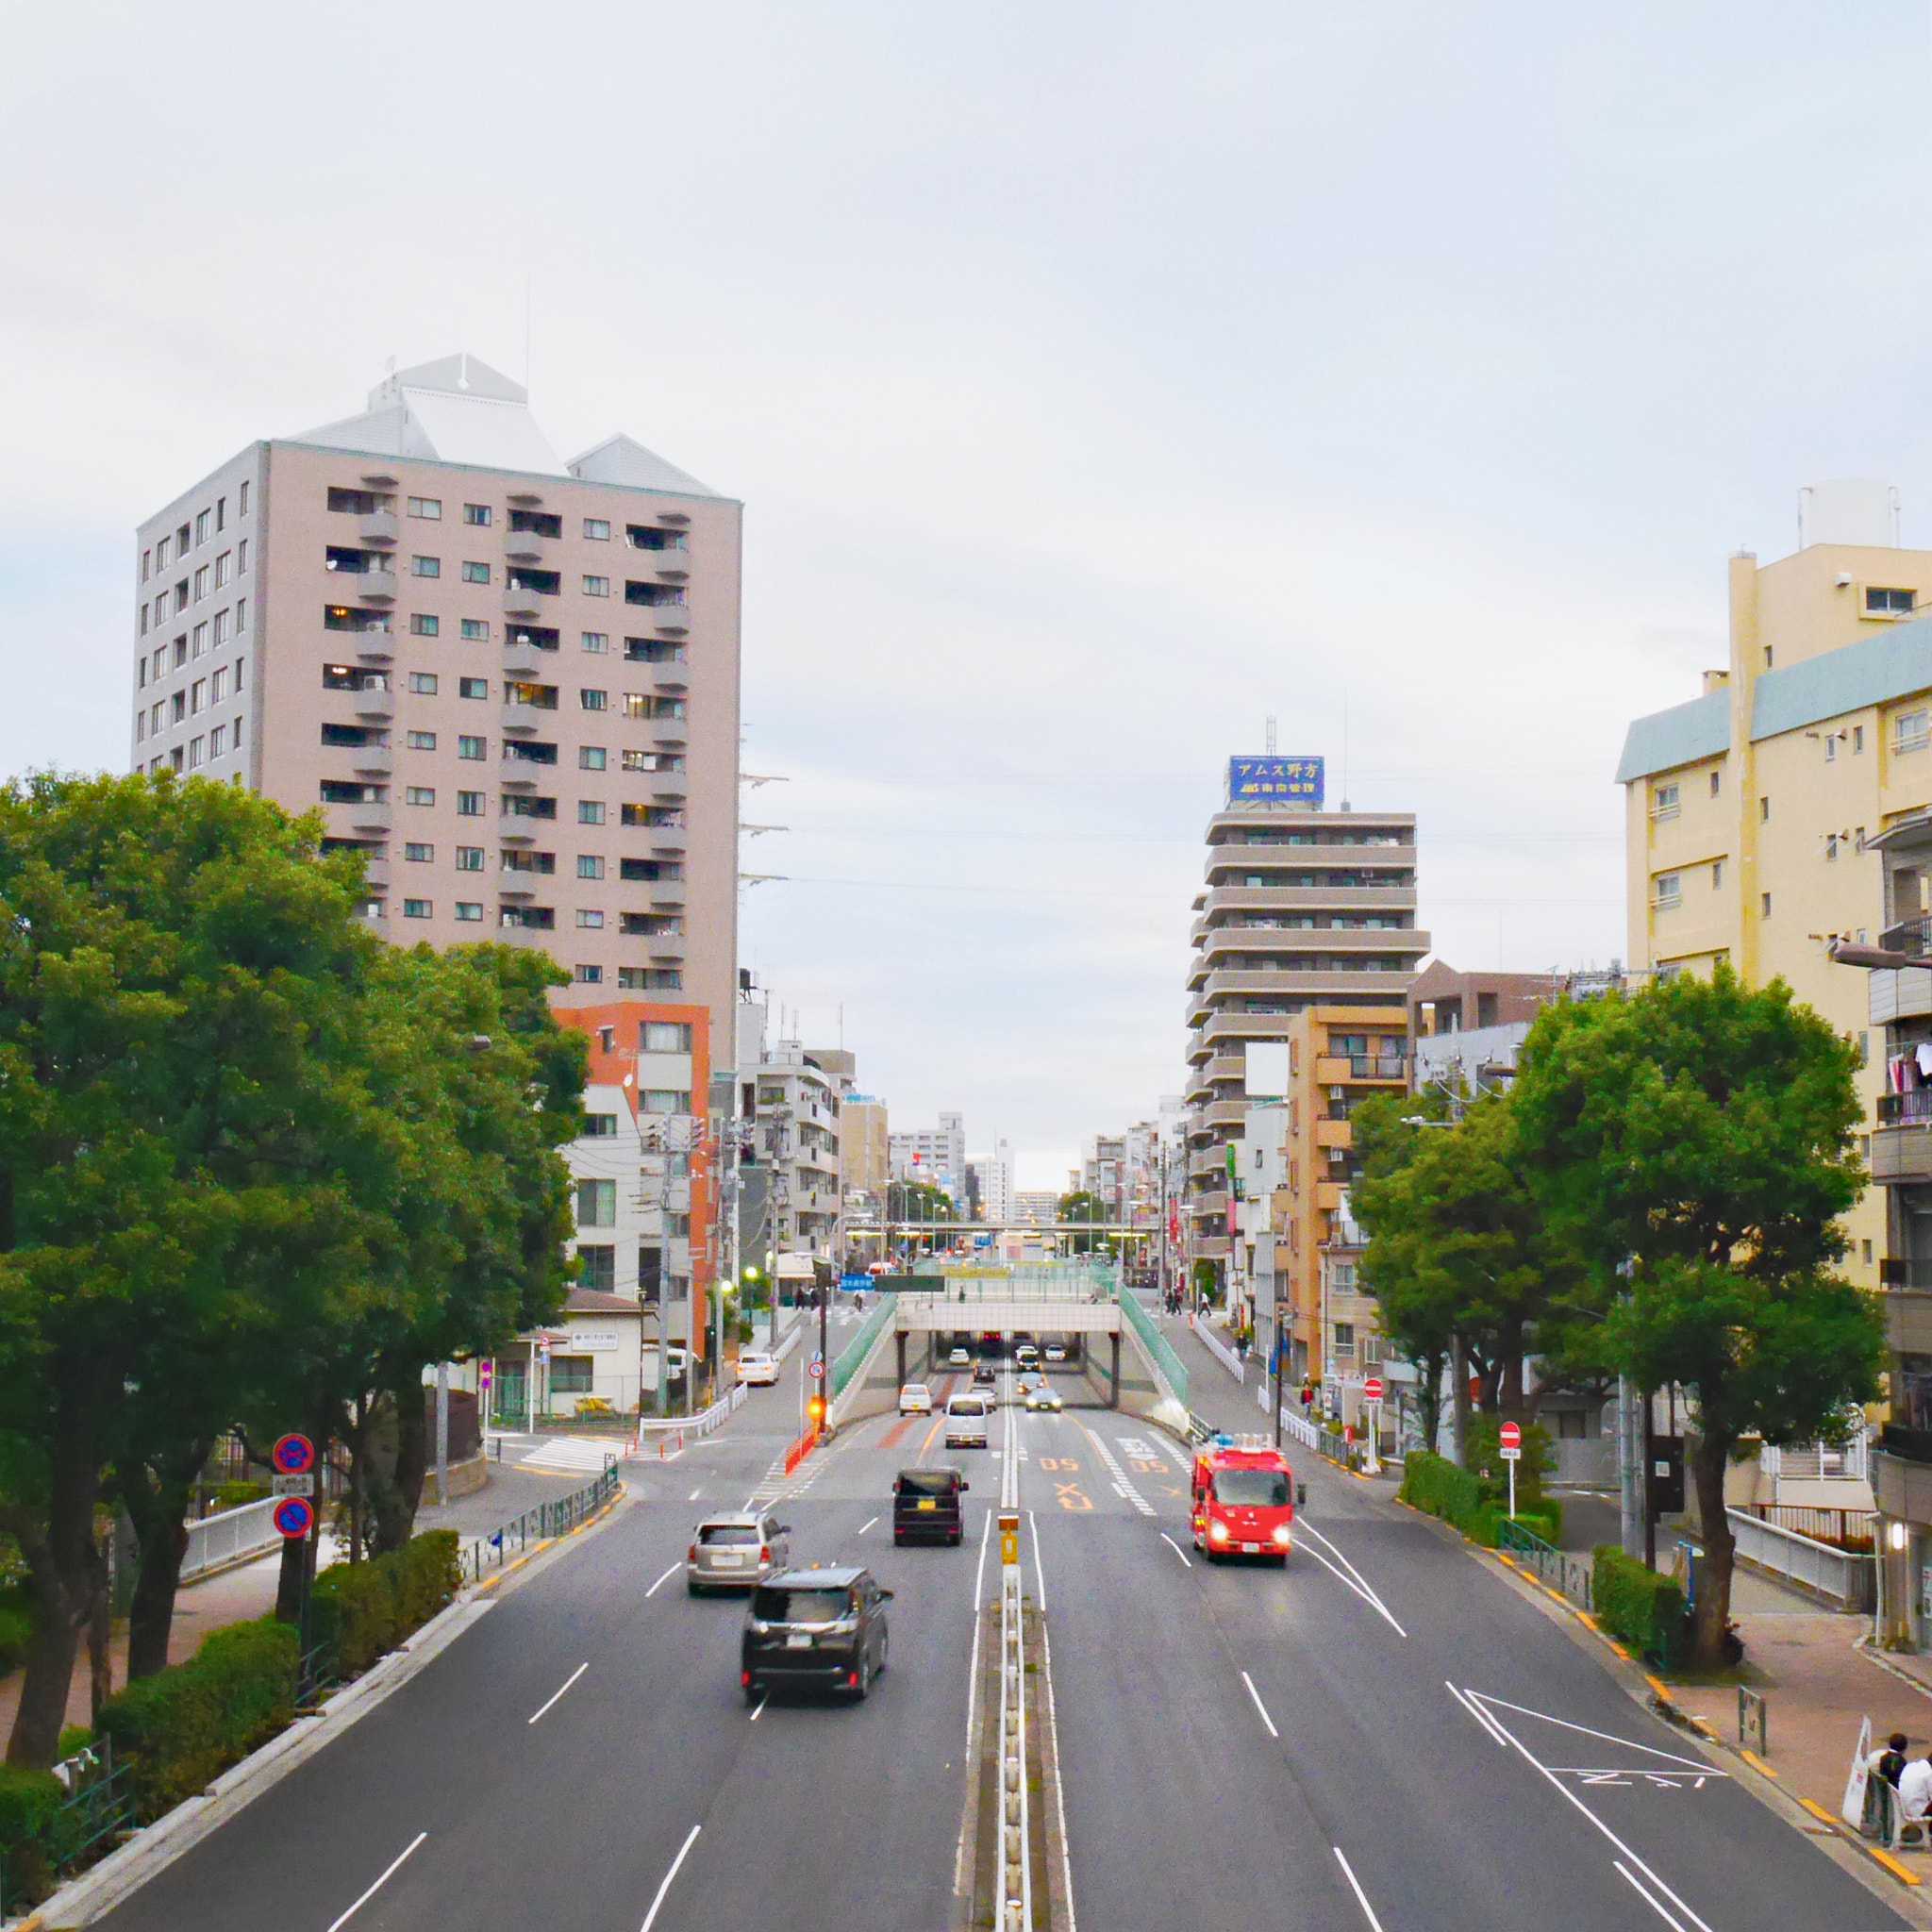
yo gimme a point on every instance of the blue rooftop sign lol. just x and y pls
(1293, 781)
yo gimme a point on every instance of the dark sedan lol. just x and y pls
(814, 1629)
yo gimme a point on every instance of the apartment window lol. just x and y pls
(1831, 845)
(475, 573)
(590, 757)
(207, 517)
(160, 610)
(221, 564)
(1858, 739)
(474, 630)
(473, 747)
(241, 615)
(426, 566)
(421, 740)
(468, 805)
(597, 1204)
(589, 920)
(650, 979)
(424, 627)
(241, 556)
(664, 1036)
(200, 639)
(142, 632)
(1669, 890)
(1886, 602)
(418, 908)
(217, 741)
(195, 748)
(595, 700)
(596, 587)
(597, 529)
(1764, 905)
(590, 811)
(592, 976)
(220, 629)
(637, 704)
(469, 858)
(422, 683)
(427, 507)
(477, 515)
(1764, 811)
(1716, 783)
(241, 503)
(469, 911)
(472, 688)
(1663, 801)
(1909, 731)
(597, 642)
(418, 854)
(221, 514)
(419, 794)
(197, 697)
(201, 583)
(589, 866)
(181, 539)
(147, 557)
(218, 685)
(1717, 875)
(1768, 659)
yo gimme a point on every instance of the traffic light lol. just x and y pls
(815, 1410)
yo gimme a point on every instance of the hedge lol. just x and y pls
(365, 1609)
(185, 1725)
(1434, 1483)
(29, 1800)
(1646, 1610)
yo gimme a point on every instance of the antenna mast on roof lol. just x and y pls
(1271, 736)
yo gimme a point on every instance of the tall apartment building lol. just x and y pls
(934, 1155)
(1784, 817)
(864, 1157)
(993, 1182)
(798, 1140)
(1302, 907)
(509, 682)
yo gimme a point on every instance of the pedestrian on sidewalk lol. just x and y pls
(1889, 1762)
(1915, 1794)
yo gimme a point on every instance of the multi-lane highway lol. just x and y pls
(1386, 1735)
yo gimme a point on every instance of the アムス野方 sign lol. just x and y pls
(1291, 780)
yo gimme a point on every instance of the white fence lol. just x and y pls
(1219, 1349)
(700, 1425)
(230, 1536)
(1847, 1576)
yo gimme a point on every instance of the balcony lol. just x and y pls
(375, 587)
(373, 760)
(375, 701)
(511, 889)
(373, 816)
(528, 660)
(1909, 1307)
(1898, 993)
(1911, 937)
(1903, 1154)
(379, 528)
(523, 546)
(522, 720)
(375, 872)
(1331, 1070)
(518, 603)
(666, 945)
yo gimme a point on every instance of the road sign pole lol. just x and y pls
(1512, 1489)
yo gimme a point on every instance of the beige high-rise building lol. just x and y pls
(1303, 906)
(510, 682)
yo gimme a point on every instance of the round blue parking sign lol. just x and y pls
(294, 1516)
(292, 1454)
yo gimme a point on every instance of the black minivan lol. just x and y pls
(814, 1629)
(927, 1506)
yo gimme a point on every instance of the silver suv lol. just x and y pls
(736, 1551)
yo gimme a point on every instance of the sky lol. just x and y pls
(1100, 380)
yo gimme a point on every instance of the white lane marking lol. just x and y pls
(1354, 1580)
(664, 1580)
(1038, 1573)
(1052, 1731)
(1176, 1549)
(1637, 1886)
(762, 1702)
(379, 1883)
(864, 1527)
(1695, 1764)
(551, 1699)
(651, 1917)
(1259, 1706)
(695, 1493)
(973, 1687)
(1122, 1487)
(1361, 1898)
(1558, 1783)
(1482, 1716)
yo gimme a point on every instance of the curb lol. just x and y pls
(156, 1846)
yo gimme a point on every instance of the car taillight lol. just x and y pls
(744, 1680)
(690, 1555)
(764, 1553)
(852, 1680)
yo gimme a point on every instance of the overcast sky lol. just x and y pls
(1099, 380)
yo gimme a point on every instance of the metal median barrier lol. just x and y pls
(548, 1520)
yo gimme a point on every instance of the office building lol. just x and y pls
(935, 1156)
(509, 682)
(1302, 907)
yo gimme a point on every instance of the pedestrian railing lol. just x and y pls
(97, 1812)
(230, 1536)
(1847, 1576)
(1219, 1350)
(1561, 1570)
(1167, 1366)
(855, 1352)
(700, 1425)
(548, 1520)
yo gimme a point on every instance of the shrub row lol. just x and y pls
(1434, 1483)
(29, 1800)
(1646, 1610)
(364, 1609)
(185, 1725)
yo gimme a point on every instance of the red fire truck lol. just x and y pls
(1243, 1500)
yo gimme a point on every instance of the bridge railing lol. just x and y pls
(853, 1354)
(1166, 1365)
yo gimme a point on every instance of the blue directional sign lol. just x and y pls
(851, 1284)
(1288, 780)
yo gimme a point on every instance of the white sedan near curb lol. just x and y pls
(915, 1398)
(755, 1368)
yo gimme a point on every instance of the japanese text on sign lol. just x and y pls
(1297, 780)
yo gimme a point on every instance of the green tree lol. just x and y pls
(1082, 1206)
(922, 1204)
(1701, 1132)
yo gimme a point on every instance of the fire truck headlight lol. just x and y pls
(1283, 1534)
(1217, 1532)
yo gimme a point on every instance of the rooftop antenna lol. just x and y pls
(463, 375)
(1271, 737)
(1344, 745)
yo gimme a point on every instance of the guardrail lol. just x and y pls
(230, 1536)
(1559, 1569)
(537, 1526)
(1168, 1366)
(1847, 1576)
(700, 1425)
(1219, 1350)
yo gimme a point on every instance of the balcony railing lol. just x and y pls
(1911, 937)
(1377, 1066)
(1906, 1109)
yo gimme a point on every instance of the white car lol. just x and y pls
(755, 1366)
(959, 1360)
(1055, 1352)
(1026, 1355)
(915, 1398)
(966, 1421)
(1040, 1396)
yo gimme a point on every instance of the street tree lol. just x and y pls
(1699, 1135)
(1083, 1205)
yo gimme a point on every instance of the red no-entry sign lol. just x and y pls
(1512, 1436)
(1372, 1389)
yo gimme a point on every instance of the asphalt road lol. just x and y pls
(1231, 1735)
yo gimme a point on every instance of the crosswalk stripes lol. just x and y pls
(588, 1454)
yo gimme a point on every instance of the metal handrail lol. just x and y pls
(538, 1525)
